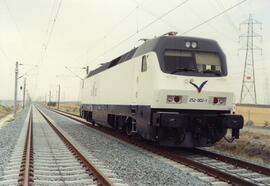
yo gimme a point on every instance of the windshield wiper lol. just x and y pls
(218, 73)
(182, 69)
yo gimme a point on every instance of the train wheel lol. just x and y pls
(129, 129)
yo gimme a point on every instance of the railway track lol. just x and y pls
(220, 167)
(46, 156)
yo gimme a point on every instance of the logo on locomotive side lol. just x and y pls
(199, 88)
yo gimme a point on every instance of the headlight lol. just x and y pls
(194, 44)
(219, 100)
(174, 99)
(188, 44)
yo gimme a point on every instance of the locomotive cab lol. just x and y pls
(188, 92)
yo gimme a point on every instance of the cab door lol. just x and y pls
(142, 95)
(143, 81)
(136, 76)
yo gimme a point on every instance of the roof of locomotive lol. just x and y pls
(158, 45)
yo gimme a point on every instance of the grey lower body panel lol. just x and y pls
(168, 127)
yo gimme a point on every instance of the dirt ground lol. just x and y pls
(254, 142)
(4, 111)
(259, 115)
(252, 145)
(71, 107)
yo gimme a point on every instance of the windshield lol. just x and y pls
(185, 62)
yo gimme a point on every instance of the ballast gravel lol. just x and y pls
(133, 166)
(9, 135)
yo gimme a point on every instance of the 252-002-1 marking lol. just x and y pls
(197, 100)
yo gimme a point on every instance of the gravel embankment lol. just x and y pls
(8, 138)
(134, 167)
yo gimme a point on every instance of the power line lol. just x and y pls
(43, 45)
(13, 20)
(48, 36)
(11, 15)
(16, 26)
(73, 73)
(217, 31)
(50, 18)
(162, 20)
(54, 22)
(143, 28)
(155, 16)
(165, 14)
(4, 54)
(213, 17)
(111, 30)
(228, 17)
(50, 31)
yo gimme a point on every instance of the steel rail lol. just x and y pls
(223, 176)
(25, 175)
(76, 115)
(233, 161)
(98, 176)
(220, 157)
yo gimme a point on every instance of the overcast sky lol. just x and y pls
(90, 32)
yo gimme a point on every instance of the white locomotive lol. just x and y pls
(171, 89)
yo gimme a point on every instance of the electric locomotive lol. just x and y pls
(172, 90)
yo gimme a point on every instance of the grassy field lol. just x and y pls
(71, 107)
(4, 110)
(251, 145)
(258, 114)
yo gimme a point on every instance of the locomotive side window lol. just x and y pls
(144, 64)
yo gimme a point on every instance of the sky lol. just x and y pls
(55, 39)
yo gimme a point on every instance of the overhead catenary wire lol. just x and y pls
(50, 32)
(12, 18)
(111, 30)
(212, 27)
(213, 17)
(50, 19)
(228, 17)
(155, 16)
(4, 54)
(14, 22)
(143, 28)
(175, 28)
(165, 14)
(162, 20)
(16, 27)
(27, 72)
(48, 35)
(73, 73)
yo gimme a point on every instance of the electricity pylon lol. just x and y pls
(248, 90)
